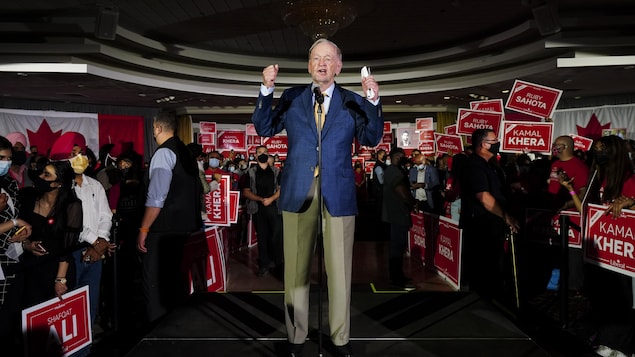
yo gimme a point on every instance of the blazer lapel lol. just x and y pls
(334, 110)
(307, 103)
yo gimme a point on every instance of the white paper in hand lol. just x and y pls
(365, 73)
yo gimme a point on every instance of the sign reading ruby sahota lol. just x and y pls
(276, 145)
(468, 120)
(581, 143)
(519, 136)
(491, 105)
(448, 144)
(58, 327)
(610, 243)
(533, 99)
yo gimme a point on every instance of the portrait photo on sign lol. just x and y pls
(406, 138)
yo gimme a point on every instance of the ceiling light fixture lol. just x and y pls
(318, 18)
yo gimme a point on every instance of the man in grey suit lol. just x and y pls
(347, 116)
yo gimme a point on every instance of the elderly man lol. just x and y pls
(345, 116)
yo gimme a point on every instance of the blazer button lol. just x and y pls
(312, 168)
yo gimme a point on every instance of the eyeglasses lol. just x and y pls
(491, 141)
(554, 146)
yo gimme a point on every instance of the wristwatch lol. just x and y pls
(60, 280)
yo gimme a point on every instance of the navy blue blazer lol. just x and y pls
(349, 116)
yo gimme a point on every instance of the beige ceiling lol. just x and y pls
(208, 54)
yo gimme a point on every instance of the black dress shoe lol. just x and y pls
(344, 351)
(295, 350)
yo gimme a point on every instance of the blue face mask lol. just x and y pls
(4, 167)
(214, 162)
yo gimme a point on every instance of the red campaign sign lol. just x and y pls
(427, 147)
(368, 166)
(58, 327)
(387, 138)
(276, 145)
(234, 197)
(424, 124)
(206, 139)
(250, 129)
(609, 242)
(387, 127)
(365, 151)
(417, 237)
(447, 259)
(533, 99)
(207, 127)
(581, 143)
(448, 144)
(450, 129)
(253, 140)
(426, 135)
(384, 146)
(468, 120)
(231, 140)
(521, 136)
(215, 272)
(490, 105)
(575, 236)
(356, 159)
(217, 203)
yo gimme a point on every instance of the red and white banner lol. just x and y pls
(520, 136)
(387, 127)
(58, 327)
(276, 145)
(424, 124)
(468, 120)
(426, 147)
(207, 127)
(250, 129)
(417, 237)
(387, 138)
(216, 272)
(448, 144)
(575, 236)
(234, 197)
(490, 105)
(609, 242)
(450, 129)
(581, 143)
(207, 139)
(533, 99)
(368, 166)
(217, 203)
(447, 259)
(231, 140)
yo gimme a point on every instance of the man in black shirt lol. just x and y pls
(484, 216)
(262, 189)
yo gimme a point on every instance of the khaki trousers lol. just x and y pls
(300, 232)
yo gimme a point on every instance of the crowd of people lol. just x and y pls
(63, 214)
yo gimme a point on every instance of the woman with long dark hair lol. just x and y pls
(611, 293)
(55, 215)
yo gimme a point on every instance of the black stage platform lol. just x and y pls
(384, 323)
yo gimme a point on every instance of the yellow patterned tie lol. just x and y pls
(319, 123)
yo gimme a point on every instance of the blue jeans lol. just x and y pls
(88, 274)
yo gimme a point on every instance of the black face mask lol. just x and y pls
(601, 157)
(18, 158)
(42, 186)
(494, 148)
(262, 158)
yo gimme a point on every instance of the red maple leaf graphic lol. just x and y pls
(44, 137)
(593, 130)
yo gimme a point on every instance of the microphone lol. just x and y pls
(319, 97)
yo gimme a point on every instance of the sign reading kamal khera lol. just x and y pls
(533, 99)
(521, 136)
(231, 140)
(448, 144)
(58, 327)
(468, 120)
(609, 242)
(448, 249)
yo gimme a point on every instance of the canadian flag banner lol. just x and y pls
(590, 122)
(43, 128)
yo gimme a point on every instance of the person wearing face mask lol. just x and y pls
(610, 293)
(398, 203)
(568, 167)
(18, 170)
(95, 235)
(485, 217)
(424, 179)
(214, 164)
(172, 213)
(10, 244)
(262, 189)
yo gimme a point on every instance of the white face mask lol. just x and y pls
(387, 161)
(4, 167)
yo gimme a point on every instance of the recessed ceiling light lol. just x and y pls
(629, 67)
(505, 91)
(141, 94)
(577, 97)
(568, 80)
(447, 97)
(398, 101)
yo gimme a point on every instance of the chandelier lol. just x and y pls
(318, 18)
